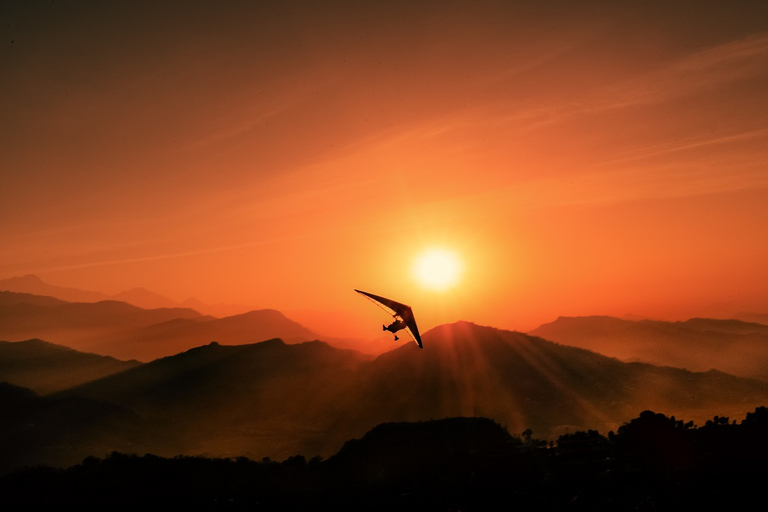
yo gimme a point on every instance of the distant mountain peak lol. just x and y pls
(732, 346)
(217, 347)
(36, 343)
(273, 313)
(464, 330)
(25, 279)
(31, 283)
(138, 296)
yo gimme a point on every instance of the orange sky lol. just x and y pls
(590, 159)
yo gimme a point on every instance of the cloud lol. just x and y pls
(714, 67)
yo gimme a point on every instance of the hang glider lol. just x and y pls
(402, 313)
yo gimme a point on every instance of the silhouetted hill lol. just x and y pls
(392, 453)
(652, 462)
(747, 316)
(263, 399)
(13, 298)
(45, 367)
(527, 382)
(439, 465)
(731, 346)
(60, 430)
(724, 326)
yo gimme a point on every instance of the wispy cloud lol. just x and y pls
(671, 147)
(714, 67)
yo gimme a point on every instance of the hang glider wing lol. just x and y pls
(399, 311)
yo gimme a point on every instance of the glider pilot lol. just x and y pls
(394, 327)
(401, 322)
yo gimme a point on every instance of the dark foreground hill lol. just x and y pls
(264, 399)
(651, 463)
(38, 429)
(699, 344)
(273, 399)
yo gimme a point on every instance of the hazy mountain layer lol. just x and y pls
(33, 285)
(45, 367)
(278, 400)
(140, 297)
(731, 346)
(180, 334)
(527, 382)
(124, 331)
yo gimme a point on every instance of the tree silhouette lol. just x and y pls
(653, 462)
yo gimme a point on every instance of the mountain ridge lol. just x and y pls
(137, 296)
(125, 331)
(732, 346)
(277, 399)
(46, 367)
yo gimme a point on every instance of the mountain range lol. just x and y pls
(113, 376)
(125, 331)
(272, 399)
(698, 344)
(138, 296)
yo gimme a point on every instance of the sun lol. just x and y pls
(437, 269)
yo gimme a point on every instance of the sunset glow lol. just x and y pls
(583, 159)
(437, 269)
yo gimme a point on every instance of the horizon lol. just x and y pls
(564, 160)
(364, 327)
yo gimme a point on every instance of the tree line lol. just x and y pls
(653, 462)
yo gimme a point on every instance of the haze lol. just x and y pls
(580, 158)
